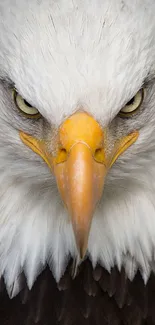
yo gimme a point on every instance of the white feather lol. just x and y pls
(61, 55)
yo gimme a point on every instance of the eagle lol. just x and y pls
(77, 162)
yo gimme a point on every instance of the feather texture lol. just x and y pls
(110, 299)
(60, 56)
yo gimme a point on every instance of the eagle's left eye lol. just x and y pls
(133, 105)
(28, 110)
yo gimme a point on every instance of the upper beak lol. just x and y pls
(80, 167)
(80, 181)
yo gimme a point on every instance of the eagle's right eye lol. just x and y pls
(133, 105)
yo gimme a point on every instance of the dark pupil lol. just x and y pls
(26, 103)
(131, 101)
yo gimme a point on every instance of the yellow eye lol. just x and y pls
(28, 110)
(132, 106)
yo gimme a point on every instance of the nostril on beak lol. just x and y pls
(61, 155)
(99, 155)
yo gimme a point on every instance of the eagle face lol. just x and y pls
(77, 99)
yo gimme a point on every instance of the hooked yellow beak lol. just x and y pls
(80, 166)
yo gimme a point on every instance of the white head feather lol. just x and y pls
(60, 55)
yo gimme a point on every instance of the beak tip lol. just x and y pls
(82, 252)
(82, 249)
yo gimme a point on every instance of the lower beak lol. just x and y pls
(80, 167)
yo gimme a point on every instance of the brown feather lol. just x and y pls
(93, 297)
